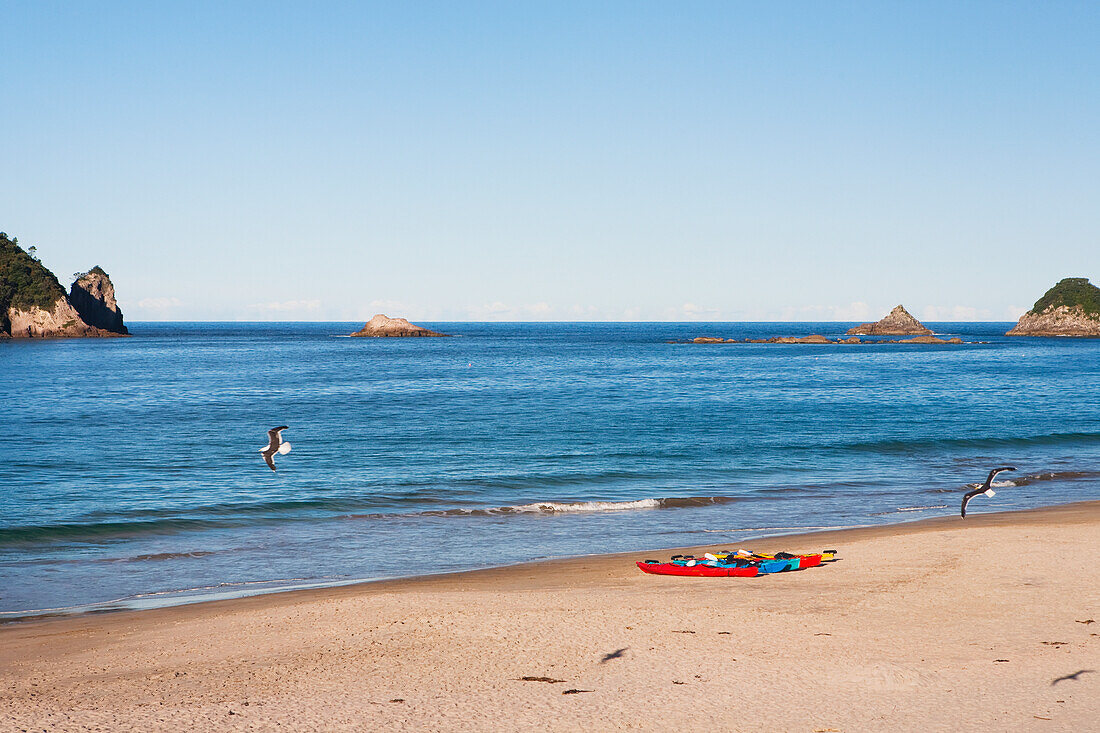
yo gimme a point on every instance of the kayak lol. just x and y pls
(698, 570)
(779, 566)
(807, 561)
(742, 564)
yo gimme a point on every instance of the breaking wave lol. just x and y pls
(901, 509)
(568, 507)
(164, 521)
(93, 531)
(1028, 480)
(153, 556)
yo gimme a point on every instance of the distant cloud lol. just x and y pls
(954, 313)
(159, 304)
(286, 306)
(578, 312)
(693, 312)
(387, 306)
(498, 311)
(857, 311)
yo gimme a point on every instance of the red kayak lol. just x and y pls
(698, 571)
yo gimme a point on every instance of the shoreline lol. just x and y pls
(317, 590)
(935, 624)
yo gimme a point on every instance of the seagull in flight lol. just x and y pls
(275, 444)
(984, 488)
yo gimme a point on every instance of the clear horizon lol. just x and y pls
(423, 320)
(560, 162)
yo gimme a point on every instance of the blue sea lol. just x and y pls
(130, 474)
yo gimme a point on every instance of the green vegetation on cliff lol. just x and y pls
(24, 281)
(1071, 291)
(97, 270)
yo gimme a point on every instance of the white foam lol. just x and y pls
(555, 507)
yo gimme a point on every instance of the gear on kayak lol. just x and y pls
(740, 564)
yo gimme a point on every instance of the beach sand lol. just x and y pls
(944, 624)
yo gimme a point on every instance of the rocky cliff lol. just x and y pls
(382, 325)
(897, 323)
(60, 320)
(1070, 308)
(32, 301)
(93, 296)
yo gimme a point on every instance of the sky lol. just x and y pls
(545, 161)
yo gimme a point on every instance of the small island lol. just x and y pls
(816, 338)
(382, 326)
(1070, 308)
(897, 323)
(34, 305)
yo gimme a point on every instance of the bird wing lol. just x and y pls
(985, 488)
(970, 495)
(273, 437)
(268, 458)
(994, 472)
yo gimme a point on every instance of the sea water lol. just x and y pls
(130, 472)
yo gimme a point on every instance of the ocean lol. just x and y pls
(130, 475)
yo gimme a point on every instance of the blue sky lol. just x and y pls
(556, 161)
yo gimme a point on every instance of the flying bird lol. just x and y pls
(275, 444)
(984, 488)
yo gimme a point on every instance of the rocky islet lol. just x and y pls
(1070, 308)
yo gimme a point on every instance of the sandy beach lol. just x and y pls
(992, 623)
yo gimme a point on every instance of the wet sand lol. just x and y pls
(988, 623)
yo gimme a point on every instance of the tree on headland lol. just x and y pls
(24, 281)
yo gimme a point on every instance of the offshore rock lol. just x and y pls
(818, 339)
(927, 340)
(811, 339)
(384, 326)
(1070, 308)
(897, 323)
(93, 296)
